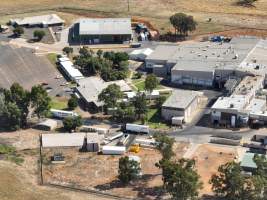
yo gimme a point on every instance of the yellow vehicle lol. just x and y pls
(134, 148)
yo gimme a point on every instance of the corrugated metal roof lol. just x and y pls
(248, 161)
(91, 87)
(106, 26)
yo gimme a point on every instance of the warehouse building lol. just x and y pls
(105, 30)
(210, 64)
(182, 103)
(40, 21)
(89, 141)
(89, 89)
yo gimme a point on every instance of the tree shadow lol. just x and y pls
(139, 185)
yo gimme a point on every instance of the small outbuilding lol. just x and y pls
(140, 54)
(182, 103)
(47, 125)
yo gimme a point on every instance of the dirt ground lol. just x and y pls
(103, 170)
(209, 157)
(21, 181)
(224, 15)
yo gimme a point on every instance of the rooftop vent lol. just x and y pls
(231, 105)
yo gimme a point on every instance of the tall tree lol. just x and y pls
(21, 98)
(67, 50)
(128, 169)
(183, 23)
(11, 116)
(72, 103)
(180, 179)
(71, 123)
(110, 95)
(40, 100)
(140, 105)
(151, 82)
(18, 31)
(231, 184)
(39, 34)
(164, 145)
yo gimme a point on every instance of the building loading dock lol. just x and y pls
(182, 103)
(106, 30)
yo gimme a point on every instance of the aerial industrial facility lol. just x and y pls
(210, 63)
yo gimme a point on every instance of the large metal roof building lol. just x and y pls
(102, 30)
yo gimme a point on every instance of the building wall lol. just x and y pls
(95, 39)
(168, 113)
(201, 78)
(150, 63)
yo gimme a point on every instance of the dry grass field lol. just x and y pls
(226, 15)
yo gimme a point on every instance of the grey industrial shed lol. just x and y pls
(102, 30)
(182, 103)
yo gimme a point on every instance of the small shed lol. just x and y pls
(47, 125)
(140, 54)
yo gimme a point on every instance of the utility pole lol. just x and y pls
(128, 1)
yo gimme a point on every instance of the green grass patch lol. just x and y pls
(52, 57)
(154, 120)
(10, 154)
(140, 85)
(6, 149)
(59, 104)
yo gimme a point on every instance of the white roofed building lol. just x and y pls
(43, 21)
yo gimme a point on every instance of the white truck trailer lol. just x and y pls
(136, 128)
(113, 150)
(62, 113)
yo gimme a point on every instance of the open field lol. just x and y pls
(226, 15)
(103, 170)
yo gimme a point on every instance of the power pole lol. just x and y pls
(128, 1)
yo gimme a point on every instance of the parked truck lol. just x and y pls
(136, 128)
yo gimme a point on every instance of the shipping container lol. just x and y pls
(113, 150)
(137, 128)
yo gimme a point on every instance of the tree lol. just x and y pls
(246, 2)
(151, 82)
(164, 145)
(16, 94)
(140, 105)
(160, 101)
(71, 123)
(11, 116)
(183, 23)
(67, 50)
(39, 34)
(72, 103)
(99, 53)
(231, 184)
(18, 31)
(180, 179)
(110, 95)
(128, 169)
(40, 100)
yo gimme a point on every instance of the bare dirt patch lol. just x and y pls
(208, 158)
(99, 172)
